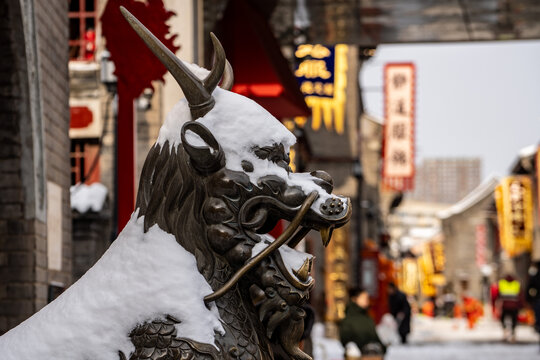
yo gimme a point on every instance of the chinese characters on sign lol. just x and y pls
(513, 198)
(399, 85)
(480, 234)
(336, 278)
(322, 75)
(409, 276)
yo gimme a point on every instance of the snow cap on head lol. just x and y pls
(239, 124)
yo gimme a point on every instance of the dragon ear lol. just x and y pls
(205, 153)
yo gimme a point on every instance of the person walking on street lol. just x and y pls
(358, 327)
(401, 310)
(510, 302)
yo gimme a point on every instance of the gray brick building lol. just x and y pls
(446, 180)
(35, 217)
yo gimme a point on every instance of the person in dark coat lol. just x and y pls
(400, 310)
(510, 301)
(358, 326)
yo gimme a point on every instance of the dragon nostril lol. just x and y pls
(332, 206)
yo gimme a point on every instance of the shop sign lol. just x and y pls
(481, 239)
(439, 259)
(398, 149)
(321, 72)
(424, 275)
(409, 277)
(337, 274)
(513, 198)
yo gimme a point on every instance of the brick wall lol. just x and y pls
(24, 274)
(16, 234)
(52, 38)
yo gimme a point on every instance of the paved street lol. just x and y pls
(464, 351)
(449, 339)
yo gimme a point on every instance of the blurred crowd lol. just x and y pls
(510, 302)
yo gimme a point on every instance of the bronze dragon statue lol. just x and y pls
(218, 195)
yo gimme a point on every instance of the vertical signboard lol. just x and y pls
(398, 152)
(54, 226)
(322, 76)
(513, 199)
(481, 242)
(337, 274)
(409, 276)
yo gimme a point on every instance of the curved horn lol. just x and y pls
(228, 77)
(208, 158)
(218, 66)
(198, 93)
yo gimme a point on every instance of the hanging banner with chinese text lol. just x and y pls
(337, 274)
(322, 76)
(481, 244)
(513, 198)
(409, 276)
(398, 152)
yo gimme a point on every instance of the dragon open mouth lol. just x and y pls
(257, 214)
(260, 214)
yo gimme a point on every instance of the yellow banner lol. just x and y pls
(513, 198)
(337, 274)
(409, 276)
(322, 74)
(425, 273)
(439, 259)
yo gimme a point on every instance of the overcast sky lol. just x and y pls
(472, 99)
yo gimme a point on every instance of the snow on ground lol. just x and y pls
(464, 351)
(450, 339)
(446, 339)
(426, 329)
(325, 348)
(88, 197)
(141, 277)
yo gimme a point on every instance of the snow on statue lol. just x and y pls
(193, 275)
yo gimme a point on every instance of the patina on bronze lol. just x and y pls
(219, 215)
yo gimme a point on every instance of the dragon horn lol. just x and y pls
(198, 93)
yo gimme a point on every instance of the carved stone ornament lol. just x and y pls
(215, 186)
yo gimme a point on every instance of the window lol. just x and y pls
(83, 153)
(82, 29)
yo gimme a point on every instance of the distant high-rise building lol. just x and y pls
(446, 180)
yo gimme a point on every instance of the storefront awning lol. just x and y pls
(260, 70)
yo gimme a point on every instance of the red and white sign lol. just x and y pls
(398, 152)
(480, 244)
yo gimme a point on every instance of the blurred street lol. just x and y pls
(335, 177)
(446, 339)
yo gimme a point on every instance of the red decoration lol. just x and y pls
(80, 117)
(261, 72)
(136, 68)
